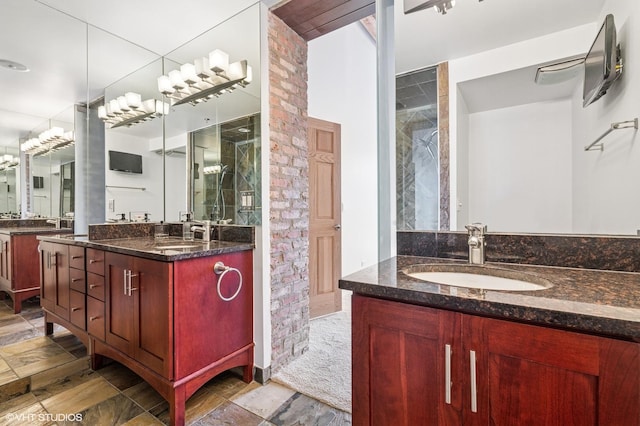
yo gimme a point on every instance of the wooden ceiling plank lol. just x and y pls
(339, 22)
(326, 18)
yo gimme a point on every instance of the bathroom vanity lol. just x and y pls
(19, 278)
(426, 353)
(155, 305)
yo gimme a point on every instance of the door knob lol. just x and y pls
(337, 226)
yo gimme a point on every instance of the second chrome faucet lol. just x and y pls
(476, 243)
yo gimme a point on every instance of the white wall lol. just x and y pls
(520, 168)
(342, 89)
(563, 44)
(134, 200)
(175, 196)
(604, 195)
(600, 201)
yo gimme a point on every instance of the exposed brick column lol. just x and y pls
(289, 193)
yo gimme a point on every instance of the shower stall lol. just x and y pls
(417, 151)
(225, 172)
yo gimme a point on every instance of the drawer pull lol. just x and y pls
(447, 374)
(75, 280)
(77, 257)
(75, 309)
(94, 285)
(474, 391)
(94, 318)
(92, 261)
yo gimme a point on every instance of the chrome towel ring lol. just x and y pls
(221, 269)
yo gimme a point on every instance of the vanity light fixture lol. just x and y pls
(50, 140)
(129, 109)
(8, 161)
(212, 170)
(204, 79)
(560, 72)
(440, 6)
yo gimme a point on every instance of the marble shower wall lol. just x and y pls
(417, 150)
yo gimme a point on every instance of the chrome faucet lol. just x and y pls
(476, 243)
(204, 228)
(55, 221)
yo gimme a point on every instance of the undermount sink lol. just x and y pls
(478, 276)
(176, 244)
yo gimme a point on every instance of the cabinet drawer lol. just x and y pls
(78, 313)
(78, 282)
(95, 286)
(95, 317)
(95, 261)
(76, 257)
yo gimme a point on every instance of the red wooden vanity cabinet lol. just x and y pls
(165, 320)
(415, 365)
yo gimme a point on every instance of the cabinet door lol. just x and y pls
(151, 292)
(119, 327)
(534, 375)
(47, 277)
(400, 363)
(60, 265)
(54, 278)
(5, 260)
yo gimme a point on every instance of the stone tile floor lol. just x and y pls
(47, 381)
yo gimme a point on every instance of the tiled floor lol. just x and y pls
(46, 381)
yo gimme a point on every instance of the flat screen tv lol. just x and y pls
(600, 64)
(125, 162)
(38, 182)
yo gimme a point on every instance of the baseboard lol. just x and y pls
(262, 375)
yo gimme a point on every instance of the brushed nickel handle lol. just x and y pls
(124, 282)
(77, 257)
(92, 261)
(75, 280)
(94, 285)
(130, 287)
(447, 374)
(93, 318)
(474, 391)
(75, 309)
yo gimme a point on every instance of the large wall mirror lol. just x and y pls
(93, 54)
(37, 100)
(220, 136)
(517, 158)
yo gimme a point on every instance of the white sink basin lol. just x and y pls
(476, 276)
(178, 246)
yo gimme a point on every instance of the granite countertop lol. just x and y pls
(586, 300)
(33, 230)
(166, 249)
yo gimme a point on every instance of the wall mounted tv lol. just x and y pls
(38, 182)
(603, 64)
(125, 162)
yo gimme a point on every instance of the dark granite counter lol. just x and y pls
(162, 249)
(33, 230)
(591, 301)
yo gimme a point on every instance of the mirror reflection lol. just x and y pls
(226, 172)
(9, 183)
(515, 150)
(104, 63)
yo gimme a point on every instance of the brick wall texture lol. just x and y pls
(289, 193)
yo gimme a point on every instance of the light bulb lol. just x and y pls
(218, 61)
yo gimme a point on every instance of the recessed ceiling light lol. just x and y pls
(13, 66)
